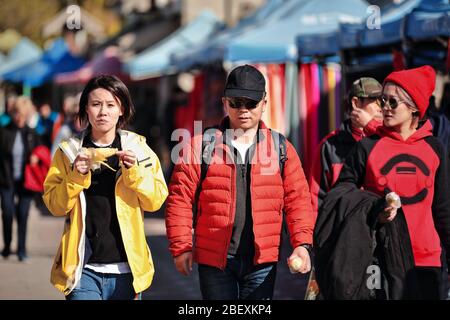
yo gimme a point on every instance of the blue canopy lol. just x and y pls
(392, 22)
(430, 19)
(56, 59)
(320, 37)
(349, 35)
(214, 49)
(24, 53)
(156, 60)
(276, 42)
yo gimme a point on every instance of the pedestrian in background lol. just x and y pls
(103, 252)
(17, 141)
(365, 117)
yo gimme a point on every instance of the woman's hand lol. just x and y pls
(82, 163)
(127, 157)
(387, 215)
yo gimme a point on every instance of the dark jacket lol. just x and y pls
(7, 136)
(347, 240)
(441, 129)
(417, 169)
(330, 156)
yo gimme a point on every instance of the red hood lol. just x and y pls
(424, 131)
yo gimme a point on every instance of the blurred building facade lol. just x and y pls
(229, 11)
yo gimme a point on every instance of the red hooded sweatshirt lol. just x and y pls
(417, 170)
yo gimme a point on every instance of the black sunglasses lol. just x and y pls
(393, 102)
(238, 103)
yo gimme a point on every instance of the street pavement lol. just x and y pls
(31, 280)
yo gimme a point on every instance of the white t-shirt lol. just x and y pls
(112, 268)
(241, 148)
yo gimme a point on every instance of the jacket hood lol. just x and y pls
(424, 131)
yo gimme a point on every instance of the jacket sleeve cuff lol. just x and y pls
(130, 175)
(83, 180)
(302, 239)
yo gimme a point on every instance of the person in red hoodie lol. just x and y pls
(364, 118)
(239, 215)
(404, 157)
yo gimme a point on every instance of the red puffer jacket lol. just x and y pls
(270, 194)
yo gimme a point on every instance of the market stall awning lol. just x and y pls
(430, 19)
(391, 28)
(106, 62)
(56, 59)
(155, 61)
(276, 42)
(320, 36)
(214, 49)
(24, 53)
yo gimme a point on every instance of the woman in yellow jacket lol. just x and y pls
(103, 252)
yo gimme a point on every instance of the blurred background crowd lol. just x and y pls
(174, 56)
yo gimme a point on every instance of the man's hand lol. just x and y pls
(127, 157)
(360, 118)
(183, 263)
(303, 254)
(387, 215)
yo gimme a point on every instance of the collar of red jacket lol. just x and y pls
(357, 133)
(225, 124)
(425, 130)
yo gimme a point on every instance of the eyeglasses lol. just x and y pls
(393, 102)
(236, 103)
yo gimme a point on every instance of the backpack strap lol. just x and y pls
(279, 141)
(208, 144)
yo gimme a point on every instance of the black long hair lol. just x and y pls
(117, 89)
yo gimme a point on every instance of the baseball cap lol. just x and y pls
(365, 88)
(245, 82)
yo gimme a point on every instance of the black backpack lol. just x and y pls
(208, 144)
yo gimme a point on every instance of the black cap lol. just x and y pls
(245, 82)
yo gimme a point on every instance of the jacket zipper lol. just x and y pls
(231, 215)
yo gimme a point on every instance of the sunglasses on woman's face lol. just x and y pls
(236, 103)
(393, 102)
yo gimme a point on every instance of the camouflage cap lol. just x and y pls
(365, 88)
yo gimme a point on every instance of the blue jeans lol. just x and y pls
(103, 286)
(240, 280)
(20, 210)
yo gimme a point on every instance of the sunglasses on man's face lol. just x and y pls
(239, 103)
(393, 102)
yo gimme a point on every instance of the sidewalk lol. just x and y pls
(31, 280)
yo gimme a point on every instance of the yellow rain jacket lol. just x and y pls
(139, 188)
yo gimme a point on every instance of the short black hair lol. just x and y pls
(117, 88)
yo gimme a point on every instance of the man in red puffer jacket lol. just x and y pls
(241, 199)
